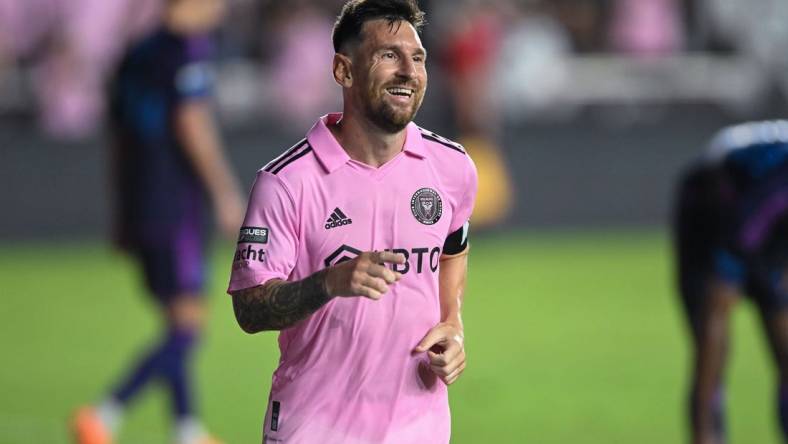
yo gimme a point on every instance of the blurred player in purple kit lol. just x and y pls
(731, 233)
(168, 160)
(354, 247)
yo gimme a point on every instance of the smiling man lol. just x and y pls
(355, 248)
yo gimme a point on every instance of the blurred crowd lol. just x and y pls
(517, 58)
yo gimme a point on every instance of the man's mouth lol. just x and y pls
(399, 91)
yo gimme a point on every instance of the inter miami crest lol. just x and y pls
(427, 206)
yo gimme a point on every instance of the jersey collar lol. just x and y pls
(332, 155)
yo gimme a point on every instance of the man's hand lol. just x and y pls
(277, 304)
(445, 347)
(364, 276)
(229, 213)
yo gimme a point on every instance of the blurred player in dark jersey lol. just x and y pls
(168, 161)
(731, 233)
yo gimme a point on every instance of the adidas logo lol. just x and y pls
(337, 219)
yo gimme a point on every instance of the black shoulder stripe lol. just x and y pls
(446, 144)
(441, 140)
(293, 159)
(274, 163)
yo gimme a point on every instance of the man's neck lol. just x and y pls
(366, 143)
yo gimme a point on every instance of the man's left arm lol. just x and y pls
(199, 137)
(198, 134)
(444, 343)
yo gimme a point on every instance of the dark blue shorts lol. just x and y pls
(701, 225)
(174, 267)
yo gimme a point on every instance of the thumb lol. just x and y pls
(434, 336)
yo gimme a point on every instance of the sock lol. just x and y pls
(717, 412)
(188, 431)
(167, 360)
(174, 368)
(110, 413)
(783, 409)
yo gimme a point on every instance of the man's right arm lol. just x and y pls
(277, 304)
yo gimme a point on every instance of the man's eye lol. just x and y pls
(389, 55)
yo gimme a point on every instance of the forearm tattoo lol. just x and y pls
(278, 305)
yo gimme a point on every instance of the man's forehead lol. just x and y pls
(382, 32)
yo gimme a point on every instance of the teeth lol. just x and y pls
(400, 91)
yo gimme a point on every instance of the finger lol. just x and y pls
(367, 292)
(382, 272)
(451, 352)
(454, 375)
(455, 370)
(372, 293)
(442, 366)
(376, 284)
(374, 257)
(381, 257)
(449, 366)
(436, 359)
(434, 336)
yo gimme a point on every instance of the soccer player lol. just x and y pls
(169, 159)
(731, 233)
(355, 248)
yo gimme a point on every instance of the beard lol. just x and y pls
(389, 118)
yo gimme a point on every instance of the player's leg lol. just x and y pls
(174, 274)
(710, 354)
(169, 361)
(776, 323)
(695, 239)
(186, 314)
(176, 277)
(770, 290)
(99, 424)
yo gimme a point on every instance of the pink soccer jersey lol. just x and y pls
(347, 373)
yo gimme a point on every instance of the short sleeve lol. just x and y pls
(464, 208)
(194, 75)
(268, 240)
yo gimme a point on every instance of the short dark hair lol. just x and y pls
(357, 12)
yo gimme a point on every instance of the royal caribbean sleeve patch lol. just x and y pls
(253, 235)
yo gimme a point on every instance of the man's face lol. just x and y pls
(200, 16)
(390, 74)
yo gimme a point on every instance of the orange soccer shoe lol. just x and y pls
(88, 428)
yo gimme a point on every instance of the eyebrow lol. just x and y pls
(419, 51)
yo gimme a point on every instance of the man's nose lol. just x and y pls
(407, 68)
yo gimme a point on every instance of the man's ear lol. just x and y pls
(342, 70)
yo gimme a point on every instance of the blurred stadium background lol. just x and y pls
(574, 333)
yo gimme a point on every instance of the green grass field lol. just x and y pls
(572, 338)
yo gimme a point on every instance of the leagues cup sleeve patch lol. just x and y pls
(426, 206)
(253, 235)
